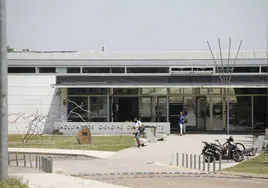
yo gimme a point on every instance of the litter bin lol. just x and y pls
(153, 129)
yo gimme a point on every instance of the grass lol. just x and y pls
(257, 165)
(13, 182)
(101, 143)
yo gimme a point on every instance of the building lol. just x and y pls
(154, 86)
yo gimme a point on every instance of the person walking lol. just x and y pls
(137, 125)
(182, 123)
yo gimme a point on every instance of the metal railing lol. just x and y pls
(42, 163)
(196, 162)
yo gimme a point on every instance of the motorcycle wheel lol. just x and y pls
(237, 156)
(207, 158)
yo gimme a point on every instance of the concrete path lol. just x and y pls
(37, 180)
(87, 153)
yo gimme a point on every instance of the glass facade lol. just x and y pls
(206, 109)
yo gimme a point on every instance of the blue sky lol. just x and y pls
(136, 25)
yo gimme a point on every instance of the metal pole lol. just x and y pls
(3, 95)
(228, 111)
(228, 62)
(232, 70)
(223, 77)
(214, 60)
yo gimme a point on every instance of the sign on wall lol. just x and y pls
(72, 128)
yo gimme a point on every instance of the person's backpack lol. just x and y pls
(185, 120)
(142, 128)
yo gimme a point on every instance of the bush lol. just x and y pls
(57, 132)
(13, 182)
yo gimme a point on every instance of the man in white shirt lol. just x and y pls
(136, 125)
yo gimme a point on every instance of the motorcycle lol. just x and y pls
(229, 151)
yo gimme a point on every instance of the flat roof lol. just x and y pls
(126, 55)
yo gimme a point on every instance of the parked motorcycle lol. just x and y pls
(228, 151)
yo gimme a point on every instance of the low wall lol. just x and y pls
(72, 128)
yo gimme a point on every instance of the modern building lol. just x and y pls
(154, 86)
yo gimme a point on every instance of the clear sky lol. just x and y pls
(135, 25)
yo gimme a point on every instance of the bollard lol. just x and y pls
(8, 159)
(199, 162)
(30, 160)
(214, 165)
(183, 160)
(17, 162)
(36, 161)
(194, 161)
(208, 164)
(177, 158)
(24, 159)
(191, 161)
(220, 160)
(39, 162)
(171, 160)
(204, 164)
(187, 161)
(51, 165)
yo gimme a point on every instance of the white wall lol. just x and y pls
(29, 94)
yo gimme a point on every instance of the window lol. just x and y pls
(103, 70)
(264, 69)
(246, 69)
(239, 69)
(148, 70)
(47, 69)
(202, 69)
(96, 70)
(21, 69)
(73, 69)
(118, 70)
(125, 91)
(87, 91)
(181, 69)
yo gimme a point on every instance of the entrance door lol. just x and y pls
(125, 108)
(201, 104)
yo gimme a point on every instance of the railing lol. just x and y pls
(42, 163)
(196, 162)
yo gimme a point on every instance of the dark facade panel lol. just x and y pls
(160, 79)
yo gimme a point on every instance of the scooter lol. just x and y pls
(212, 151)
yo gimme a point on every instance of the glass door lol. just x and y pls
(161, 109)
(146, 109)
(201, 112)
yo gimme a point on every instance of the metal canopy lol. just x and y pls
(155, 85)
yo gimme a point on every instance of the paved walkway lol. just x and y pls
(37, 180)
(87, 153)
(155, 157)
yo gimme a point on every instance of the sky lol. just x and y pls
(136, 25)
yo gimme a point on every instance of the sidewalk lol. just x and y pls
(38, 180)
(85, 153)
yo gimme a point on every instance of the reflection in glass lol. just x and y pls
(203, 91)
(98, 108)
(260, 112)
(161, 109)
(216, 110)
(147, 91)
(189, 109)
(146, 106)
(240, 113)
(160, 91)
(75, 113)
(175, 91)
(188, 91)
(125, 91)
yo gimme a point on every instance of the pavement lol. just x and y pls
(43, 151)
(155, 157)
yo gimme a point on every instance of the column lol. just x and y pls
(168, 92)
(108, 105)
(252, 112)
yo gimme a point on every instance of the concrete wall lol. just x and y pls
(30, 96)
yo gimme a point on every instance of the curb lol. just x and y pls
(56, 154)
(141, 173)
(244, 175)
